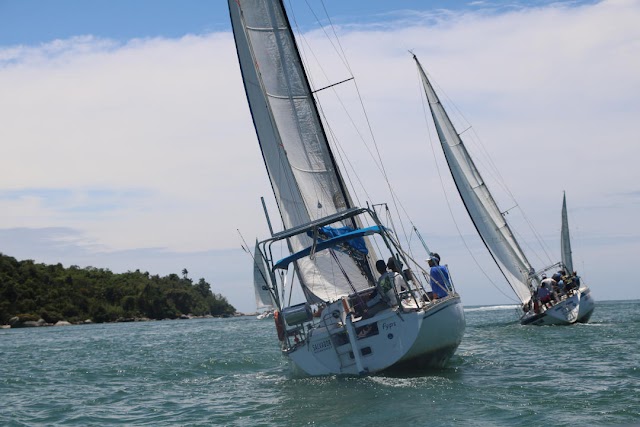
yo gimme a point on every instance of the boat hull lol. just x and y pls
(391, 339)
(587, 305)
(578, 308)
(440, 335)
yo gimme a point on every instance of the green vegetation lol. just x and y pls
(52, 292)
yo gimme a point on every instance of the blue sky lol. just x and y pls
(36, 21)
(127, 142)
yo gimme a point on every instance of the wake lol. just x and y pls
(492, 308)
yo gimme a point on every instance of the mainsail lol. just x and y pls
(480, 204)
(304, 176)
(565, 241)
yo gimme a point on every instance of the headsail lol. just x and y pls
(261, 281)
(565, 241)
(305, 179)
(479, 202)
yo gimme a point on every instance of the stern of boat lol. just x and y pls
(587, 305)
(576, 308)
(441, 332)
(393, 337)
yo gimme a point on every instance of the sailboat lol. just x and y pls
(587, 304)
(569, 305)
(350, 322)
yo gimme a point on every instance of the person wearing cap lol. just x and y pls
(439, 277)
(436, 256)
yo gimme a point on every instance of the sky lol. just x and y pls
(126, 141)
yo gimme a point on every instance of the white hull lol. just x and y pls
(575, 309)
(587, 305)
(265, 315)
(419, 338)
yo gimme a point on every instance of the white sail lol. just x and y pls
(305, 180)
(479, 202)
(565, 241)
(261, 281)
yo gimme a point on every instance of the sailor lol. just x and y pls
(396, 267)
(439, 277)
(436, 256)
(386, 283)
(576, 279)
(543, 294)
(550, 285)
(562, 287)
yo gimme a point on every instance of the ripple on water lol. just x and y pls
(230, 372)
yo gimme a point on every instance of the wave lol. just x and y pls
(492, 307)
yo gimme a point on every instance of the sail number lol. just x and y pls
(321, 346)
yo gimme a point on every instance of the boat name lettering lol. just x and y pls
(321, 346)
(386, 326)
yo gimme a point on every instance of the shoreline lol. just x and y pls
(16, 323)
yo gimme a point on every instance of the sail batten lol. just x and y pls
(304, 176)
(270, 95)
(480, 204)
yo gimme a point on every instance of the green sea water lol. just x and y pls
(229, 372)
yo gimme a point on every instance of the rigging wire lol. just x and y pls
(309, 51)
(485, 160)
(377, 161)
(338, 148)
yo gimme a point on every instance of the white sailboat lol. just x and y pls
(586, 304)
(348, 323)
(574, 305)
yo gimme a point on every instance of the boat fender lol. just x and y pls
(279, 325)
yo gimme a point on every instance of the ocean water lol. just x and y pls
(229, 372)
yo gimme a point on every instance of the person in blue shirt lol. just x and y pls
(439, 278)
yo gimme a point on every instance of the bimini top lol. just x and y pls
(329, 243)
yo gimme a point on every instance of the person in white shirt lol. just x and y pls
(386, 283)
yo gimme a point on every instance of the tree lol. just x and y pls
(53, 293)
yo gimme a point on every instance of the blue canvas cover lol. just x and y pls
(353, 238)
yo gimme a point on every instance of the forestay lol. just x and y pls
(479, 202)
(304, 177)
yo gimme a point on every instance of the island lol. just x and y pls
(33, 294)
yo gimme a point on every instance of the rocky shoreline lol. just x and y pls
(17, 322)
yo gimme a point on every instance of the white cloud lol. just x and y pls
(553, 91)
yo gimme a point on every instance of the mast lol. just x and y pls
(565, 239)
(304, 176)
(480, 204)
